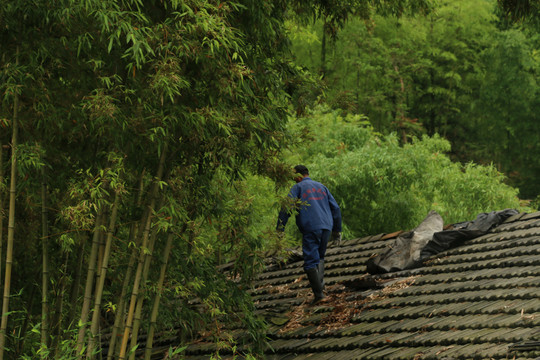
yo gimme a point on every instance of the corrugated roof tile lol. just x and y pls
(469, 302)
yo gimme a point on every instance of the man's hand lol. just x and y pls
(336, 238)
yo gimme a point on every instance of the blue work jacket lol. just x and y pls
(316, 208)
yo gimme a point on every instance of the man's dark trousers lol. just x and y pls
(314, 247)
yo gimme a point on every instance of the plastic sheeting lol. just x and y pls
(411, 248)
(405, 252)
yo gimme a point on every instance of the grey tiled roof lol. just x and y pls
(480, 300)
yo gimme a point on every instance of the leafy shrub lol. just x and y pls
(382, 186)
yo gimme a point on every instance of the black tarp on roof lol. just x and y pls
(411, 248)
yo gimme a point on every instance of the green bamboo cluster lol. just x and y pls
(125, 122)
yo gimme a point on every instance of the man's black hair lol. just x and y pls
(301, 169)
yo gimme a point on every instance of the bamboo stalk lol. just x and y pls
(89, 283)
(11, 222)
(323, 51)
(1, 198)
(134, 292)
(45, 272)
(157, 298)
(119, 319)
(103, 272)
(101, 250)
(76, 283)
(1, 208)
(138, 273)
(56, 325)
(23, 328)
(140, 300)
(120, 316)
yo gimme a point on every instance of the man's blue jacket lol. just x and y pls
(316, 208)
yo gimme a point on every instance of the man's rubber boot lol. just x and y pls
(315, 282)
(320, 267)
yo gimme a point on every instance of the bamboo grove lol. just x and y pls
(122, 123)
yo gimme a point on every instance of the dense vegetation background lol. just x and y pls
(145, 144)
(460, 71)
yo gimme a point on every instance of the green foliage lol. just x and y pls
(472, 189)
(238, 225)
(104, 89)
(335, 13)
(449, 72)
(506, 110)
(63, 352)
(513, 11)
(407, 70)
(383, 186)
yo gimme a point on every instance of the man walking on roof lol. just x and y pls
(317, 216)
